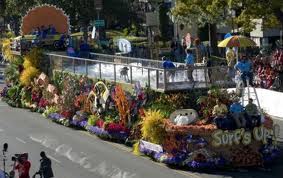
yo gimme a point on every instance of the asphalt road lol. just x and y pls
(76, 154)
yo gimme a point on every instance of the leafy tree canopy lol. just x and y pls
(215, 11)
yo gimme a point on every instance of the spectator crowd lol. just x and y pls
(268, 70)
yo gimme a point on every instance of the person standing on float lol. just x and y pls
(237, 112)
(231, 61)
(190, 61)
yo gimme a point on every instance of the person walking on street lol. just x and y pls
(23, 166)
(45, 169)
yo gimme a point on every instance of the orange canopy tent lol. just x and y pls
(45, 15)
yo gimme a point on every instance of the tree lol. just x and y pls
(271, 11)
(214, 12)
(2, 6)
(202, 12)
(118, 11)
(15, 9)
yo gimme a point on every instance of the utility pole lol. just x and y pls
(233, 15)
(281, 36)
(98, 5)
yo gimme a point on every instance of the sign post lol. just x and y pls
(98, 4)
(99, 23)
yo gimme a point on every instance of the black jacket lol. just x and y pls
(45, 168)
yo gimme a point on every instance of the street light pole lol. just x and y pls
(233, 15)
(98, 7)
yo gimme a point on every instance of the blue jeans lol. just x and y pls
(245, 76)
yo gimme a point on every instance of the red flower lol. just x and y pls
(66, 114)
(99, 123)
(35, 97)
(141, 112)
(43, 103)
(114, 127)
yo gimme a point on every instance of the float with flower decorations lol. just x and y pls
(146, 119)
(51, 32)
(174, 128)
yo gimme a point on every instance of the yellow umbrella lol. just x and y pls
(237, 41)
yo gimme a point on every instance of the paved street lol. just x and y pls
(76, 154)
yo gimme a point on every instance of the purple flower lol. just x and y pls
(54, 116)
(83, 123)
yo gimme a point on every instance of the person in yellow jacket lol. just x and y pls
(219, 113)
(231, 61)
(220, 109)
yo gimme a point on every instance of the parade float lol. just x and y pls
(35, 32)
(174, 128)
(147, 119)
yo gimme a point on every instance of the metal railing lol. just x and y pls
(148, 72)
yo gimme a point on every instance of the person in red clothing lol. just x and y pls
(23, 166)
(270, 79)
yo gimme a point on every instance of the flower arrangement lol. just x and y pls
(167, 103)
(28, 75)
(58, 80)
(31, 66)
(50, 110)
(33, 58)
(268, 122)
(43, 103)
(115, 127)
(12, 73)
(66, 104)
(81, 103)
(80, 119)
(92, 119)
(197, 129)
(245, 156)
(14, 97)
(135, 133)
(26, 97)
(122, 105)
(153, 127)
(6, 49)
(208, 102)
(4, 92)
